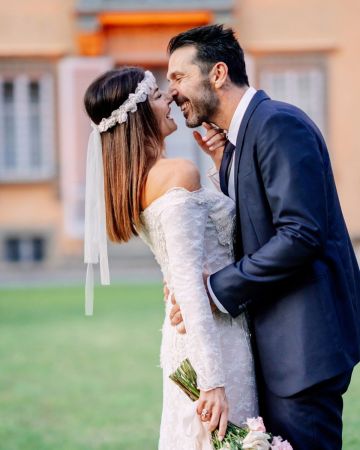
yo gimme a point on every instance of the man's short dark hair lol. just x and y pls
(214, 43)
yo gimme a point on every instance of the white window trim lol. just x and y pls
(23, 172)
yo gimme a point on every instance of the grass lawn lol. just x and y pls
(69, 382)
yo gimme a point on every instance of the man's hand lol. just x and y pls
(175, 313)
(213, 143)
(165, 291)
(176, 318)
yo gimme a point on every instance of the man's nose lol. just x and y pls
(172, 92)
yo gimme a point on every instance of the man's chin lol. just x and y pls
(193, 122)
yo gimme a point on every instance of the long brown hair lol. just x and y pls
(129, 149)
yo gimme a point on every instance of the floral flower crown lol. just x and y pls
(144, 88)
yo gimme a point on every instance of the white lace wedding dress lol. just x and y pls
(189, 233)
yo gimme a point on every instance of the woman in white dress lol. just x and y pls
(190, 231)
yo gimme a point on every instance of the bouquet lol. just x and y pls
(252, 436)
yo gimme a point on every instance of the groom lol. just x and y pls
(295, 273)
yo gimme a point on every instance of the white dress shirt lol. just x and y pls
(213, 173)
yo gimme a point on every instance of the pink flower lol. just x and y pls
(256, 424)
(278, 444)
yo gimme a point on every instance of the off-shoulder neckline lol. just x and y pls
(166, 193)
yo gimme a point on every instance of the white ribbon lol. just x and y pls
(95, 241)
(195, 429)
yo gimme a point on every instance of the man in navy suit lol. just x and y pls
(295, 275)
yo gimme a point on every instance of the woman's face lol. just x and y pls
(160, 104)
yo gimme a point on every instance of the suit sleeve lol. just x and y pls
(293, 175)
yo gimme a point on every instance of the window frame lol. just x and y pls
(22, 73)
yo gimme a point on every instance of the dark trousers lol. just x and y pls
(311, 419)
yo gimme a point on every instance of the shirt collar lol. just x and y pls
(239, 114)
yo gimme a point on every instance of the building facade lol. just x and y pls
(301, 52)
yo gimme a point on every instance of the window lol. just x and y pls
(34, 124)
(9, 124)
(19, 249)
(298, 79)
(26, 124)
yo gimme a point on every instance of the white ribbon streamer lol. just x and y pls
(95, 241)
(196, 429)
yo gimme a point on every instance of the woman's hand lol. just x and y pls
(213, 408)
(213, 143)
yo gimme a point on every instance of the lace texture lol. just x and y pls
(189, 233)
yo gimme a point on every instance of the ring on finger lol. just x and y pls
(204, 414)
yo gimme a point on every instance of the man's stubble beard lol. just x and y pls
(204, 107)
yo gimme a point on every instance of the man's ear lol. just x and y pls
(219, 74)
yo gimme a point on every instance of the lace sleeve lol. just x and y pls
(183, 222)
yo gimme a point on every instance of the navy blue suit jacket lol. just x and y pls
(295, 268)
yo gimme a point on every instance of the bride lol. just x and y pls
(190, 231)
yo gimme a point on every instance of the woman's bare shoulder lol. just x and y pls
(167, 174)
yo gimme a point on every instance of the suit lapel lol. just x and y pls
(259, 97)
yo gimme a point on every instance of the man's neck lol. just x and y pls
(229, 100)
